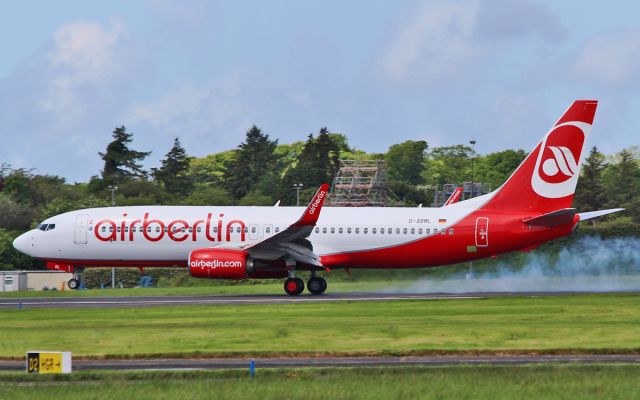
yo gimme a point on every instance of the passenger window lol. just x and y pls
(183, 229)
(419, 231)
(382, 231)
(104, 229)
(339, 230)
(333, 230)
(450, 231)
(398, 231)
(357, 230)
(111, 229)
(404, 231)
(373, 230)
(427, 231)
(324, 230)
(269, 229)
(253, 229)
(348, 230)
(413, 231)
(246, 230)
(443, 231)
(277, 229)
(365, 230)
(389, 231)
(118, 229)
(238, 229)
(199, 229)
(317, 230)
(148, 229)
(157, 229)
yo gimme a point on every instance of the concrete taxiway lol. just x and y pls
(147, 301)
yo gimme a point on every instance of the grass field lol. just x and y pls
(586, 323)
(272, 287)
(460, 382)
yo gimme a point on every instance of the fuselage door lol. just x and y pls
(80, 235)
(482, 232)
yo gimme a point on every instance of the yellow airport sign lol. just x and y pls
(48, 362)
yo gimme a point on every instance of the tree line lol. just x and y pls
(261, 171)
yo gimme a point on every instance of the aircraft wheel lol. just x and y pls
(293, 286)
(73, 283)
(316, 285)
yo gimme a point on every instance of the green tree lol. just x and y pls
(405, 162)
(120, 162)
(252, 160)
(622, 185)
(173, 174)
(449, 164)
(590, 192)
(495, 168)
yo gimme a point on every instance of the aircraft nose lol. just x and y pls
(24, 243)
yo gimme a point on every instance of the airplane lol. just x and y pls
(532, 207)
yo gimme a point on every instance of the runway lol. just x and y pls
(239, 363)
(148, 301)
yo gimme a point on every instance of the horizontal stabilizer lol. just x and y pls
(594, 214)
(559, 217)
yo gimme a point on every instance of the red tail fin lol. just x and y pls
(546, 180)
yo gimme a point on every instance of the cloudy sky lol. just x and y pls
(379, 71)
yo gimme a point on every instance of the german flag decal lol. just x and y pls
(442, 221)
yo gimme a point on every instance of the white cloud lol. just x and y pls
(84, 62)
(433, 43)
(451, 42)
(609, 60)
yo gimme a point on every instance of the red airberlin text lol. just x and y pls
(153, 230)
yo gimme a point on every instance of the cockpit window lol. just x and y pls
(46, 227)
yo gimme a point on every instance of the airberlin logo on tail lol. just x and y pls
(562, 166)
(558, 164)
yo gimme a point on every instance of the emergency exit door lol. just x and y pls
(482, 232)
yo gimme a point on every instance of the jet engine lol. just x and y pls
(220, 264)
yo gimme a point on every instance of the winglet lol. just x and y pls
(455, 196)
(311, 214)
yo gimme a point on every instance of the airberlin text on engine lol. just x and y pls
(179, 230)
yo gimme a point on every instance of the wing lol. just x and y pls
(292, 244)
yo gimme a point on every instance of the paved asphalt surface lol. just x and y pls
(146, 301)
(237, 363)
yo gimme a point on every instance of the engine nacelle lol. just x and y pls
(220, 264)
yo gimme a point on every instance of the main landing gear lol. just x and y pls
(295, 286)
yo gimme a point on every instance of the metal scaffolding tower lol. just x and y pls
(361, 183)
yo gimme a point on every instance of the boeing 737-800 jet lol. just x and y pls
(532, 207)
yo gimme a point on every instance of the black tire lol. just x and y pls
(293, 286)
(316, 285)
(73, 284)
